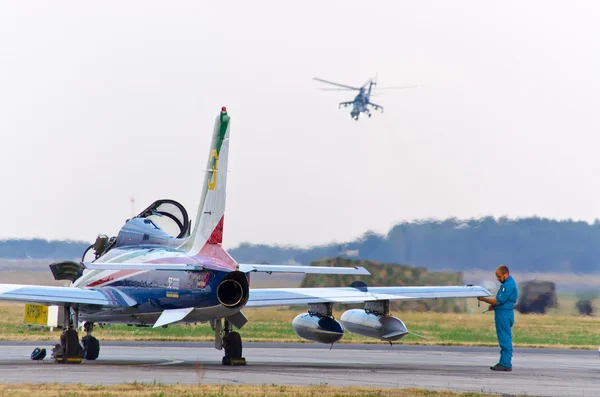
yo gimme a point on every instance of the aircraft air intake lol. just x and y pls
(234, 290)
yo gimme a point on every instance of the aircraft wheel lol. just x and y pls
(91, 347)
(233, 345)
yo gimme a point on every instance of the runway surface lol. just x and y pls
(537, 372)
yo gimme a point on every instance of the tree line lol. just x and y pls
(534, 244)
(41, 249)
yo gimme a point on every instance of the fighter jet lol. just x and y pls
(158, 271)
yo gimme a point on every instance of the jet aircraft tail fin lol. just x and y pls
(208, 228)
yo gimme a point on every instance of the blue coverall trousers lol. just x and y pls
(504, 321)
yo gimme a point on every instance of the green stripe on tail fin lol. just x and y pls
(212, 202)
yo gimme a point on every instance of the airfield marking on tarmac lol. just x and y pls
(169, 362)
(537, 372)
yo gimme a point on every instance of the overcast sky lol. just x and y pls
(102, 101)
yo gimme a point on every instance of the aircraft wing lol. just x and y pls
(344, 104)
(246, 268)
(263, 297)
(141, 266)
(303, 269)
(106, 296)
(376, 106)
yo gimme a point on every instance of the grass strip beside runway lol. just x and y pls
(274, 325)
(158, 390)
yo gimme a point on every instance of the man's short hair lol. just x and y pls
(503, 269)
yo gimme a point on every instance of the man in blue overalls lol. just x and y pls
(504, 316)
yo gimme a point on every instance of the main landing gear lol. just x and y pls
(91, 345)
(69, 350)
(228, 340)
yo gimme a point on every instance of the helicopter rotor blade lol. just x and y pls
(401, 87)
(335, 89)
(336, 84)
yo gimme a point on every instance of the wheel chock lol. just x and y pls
(68, 360)
(234, 361)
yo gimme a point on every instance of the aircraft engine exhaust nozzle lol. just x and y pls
(383, 327)
(230, 293)
(234, 290)
(317, 328)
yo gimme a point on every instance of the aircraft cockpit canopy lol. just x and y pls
(162, 223)
(168, 215)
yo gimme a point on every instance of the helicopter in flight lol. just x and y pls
(362, 100)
